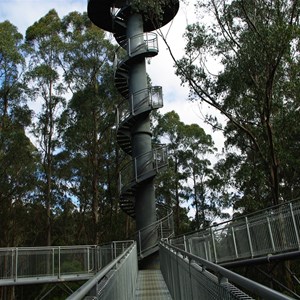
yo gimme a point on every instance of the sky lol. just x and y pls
(23, 13)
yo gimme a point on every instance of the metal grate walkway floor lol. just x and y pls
(151, 286)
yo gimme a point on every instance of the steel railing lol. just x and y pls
(191, 277)
(162, 229)
(146, 42)
(25, 265)
(115, 281)
(142, 165)
(151, 98)
(271, 231)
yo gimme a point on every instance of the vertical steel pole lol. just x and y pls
(141, 137)
(249, 236)
(214, 244)
(295, 226)
(53, 261)
(271, 234)
(234, 243)
(16, 264)
(184, 242)
(58, 275)
(88, 259)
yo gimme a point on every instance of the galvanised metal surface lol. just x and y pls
(163, 229)
(268, 232)
(131, 30)
(190, 277)
(151, 286)
(31, 265)
(116, 281)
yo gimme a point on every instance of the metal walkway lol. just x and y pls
(151, 285)
(113, 269)
(264, 235)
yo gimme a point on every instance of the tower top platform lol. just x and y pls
(100, 13)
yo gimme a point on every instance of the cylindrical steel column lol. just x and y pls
(140, 133)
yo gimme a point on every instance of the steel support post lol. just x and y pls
(295, 225)
(145, 209)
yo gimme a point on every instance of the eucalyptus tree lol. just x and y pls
(170, 184)
(87, 125)
(43, 42)
(18, 157)
(197, 147)
(255, 87)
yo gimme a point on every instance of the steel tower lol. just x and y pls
(132, 30)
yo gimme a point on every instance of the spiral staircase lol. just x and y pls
(132, 30)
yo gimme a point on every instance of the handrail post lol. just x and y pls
(249, 236)
(214, 244)
(140, 242)
(58, 275)
(53, 261)
(129, 48)
(234, 243)
(88, 259)
(135, 169)
(271, 234)
(132, 106)
(295, 225)
(16, 264)
(117, 116)
(184, 242)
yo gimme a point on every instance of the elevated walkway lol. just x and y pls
(112, 271)
(267, 235)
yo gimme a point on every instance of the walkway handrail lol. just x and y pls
(272, 231)
(153, 160)
(223, 274)
(28, 265)
(94, 285)
(156, 228)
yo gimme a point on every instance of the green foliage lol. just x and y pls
(189, 178)
(255, 44)
(154, 9)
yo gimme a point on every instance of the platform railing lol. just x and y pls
(190, 277)
(146, 42)
(271, 231)
(134, 171)
(117, 280)
(151, 98)
(162, 229)
(25, 265)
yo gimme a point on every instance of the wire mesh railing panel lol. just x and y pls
(224, 244)
(7, 263)
(270, 231)
(242, 241)
(56, 263)
(117, 280)
(260, 237)
(35, 263)
(122, 282)
(186, 279)
(74, 261)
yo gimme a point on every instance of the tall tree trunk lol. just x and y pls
(177, 202)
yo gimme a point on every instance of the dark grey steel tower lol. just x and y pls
(133, 33)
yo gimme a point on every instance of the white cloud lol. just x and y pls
(23, 13)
